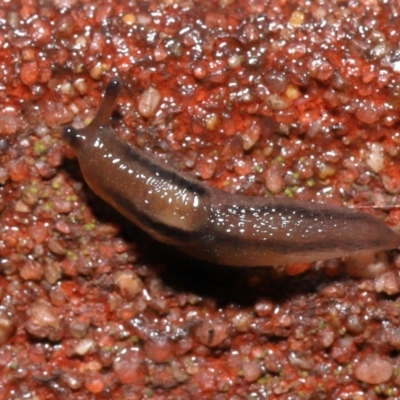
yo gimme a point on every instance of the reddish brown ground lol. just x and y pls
(290, 98)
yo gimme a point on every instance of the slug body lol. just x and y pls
(208, 223)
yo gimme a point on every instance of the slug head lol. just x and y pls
(76, 138)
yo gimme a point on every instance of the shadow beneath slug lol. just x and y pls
(243, 286)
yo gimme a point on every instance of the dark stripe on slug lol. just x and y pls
(343, 245)
(291, 247)
(149, 222)
(164, 172)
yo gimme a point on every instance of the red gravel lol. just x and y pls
(290, 98)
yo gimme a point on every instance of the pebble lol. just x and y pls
(149, 102)
(129, 368)
(374, 369)
(7, 328)
(94, 382)
(159, 348)
(251, 371)
(212, 332)
(387, 283)
(129, 283)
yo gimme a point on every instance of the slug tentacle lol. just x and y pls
(76, 137)
(208, 223)
(106, 108)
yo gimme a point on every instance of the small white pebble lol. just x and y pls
(149, 102)
(251, 371)
(235, 61)
(21, 207)
(277, 102)
(129, 283)
(375, 157)
(380, 50)
(327, 336)
(396, 66)
(387, 282)
(44, 314)
(273, 178)
(374, 370)
(83, 346)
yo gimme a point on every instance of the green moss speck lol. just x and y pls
(257, 168)
(226, 387)
(322, 324)
(39, 148)
(71, 255)
(261, 356)
(310, 183)
(71, 198)
(262, 381)
(342, 331)
(34, 189)
(390, 391)
(289, 192)
(90, 225)
(14, 364)
(134, 339)
(56, 185)
(148, 392)
(48, 206)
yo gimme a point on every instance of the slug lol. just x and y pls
(210, 224)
